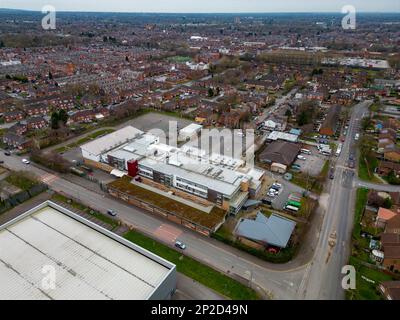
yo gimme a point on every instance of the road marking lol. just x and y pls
(167, 233)
(48, 178)
(303, 281)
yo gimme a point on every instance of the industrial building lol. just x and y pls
(224, 181)
(58, 255)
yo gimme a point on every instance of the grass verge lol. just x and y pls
(194, 269)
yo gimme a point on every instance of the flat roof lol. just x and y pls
(89, 261)
(277, 135)
(112, 140)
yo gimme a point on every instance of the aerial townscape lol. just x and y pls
(186, 155)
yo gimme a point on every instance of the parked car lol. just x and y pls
(26, 161)
(332, 173)
(7, 153)
(180, 245)
(352, 164)
(276, 186)
(300, 157)
(1, 161)
(111, 213)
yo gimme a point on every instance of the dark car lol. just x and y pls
(351, 157)
(1, 161)
(332, 173)
(352, 164)
(7, 153)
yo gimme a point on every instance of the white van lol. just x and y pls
(305, 151)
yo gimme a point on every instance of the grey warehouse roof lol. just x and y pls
(275, 230)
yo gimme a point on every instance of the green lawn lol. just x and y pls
(366, 290)
(21, 180)
(85, 139)
(364, 173)
(194, 269)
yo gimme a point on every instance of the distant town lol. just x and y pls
(199, 156)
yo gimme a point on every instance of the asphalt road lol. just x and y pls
(322, 278)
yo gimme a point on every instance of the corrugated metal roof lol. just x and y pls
(275, 230)
(88, 264)
(111, 140)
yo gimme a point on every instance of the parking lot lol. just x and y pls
(313, 163)
(156, 123)
(280, 200)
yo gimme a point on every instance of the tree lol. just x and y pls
(288, 113)
(59, 119)
(210, 92)
(388, 203)
(54, 121)
(303, 118)
(63, 116)
(50, 75)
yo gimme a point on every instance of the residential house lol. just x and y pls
(36, 123)
(392, 154)
(390, 290)
(386, 167)
(330, 125)
(383, 216)
(19, 128)
(385, 143)
(393, 225)
(84, 116)
(13, 116)
(16, 141)
(38, 109)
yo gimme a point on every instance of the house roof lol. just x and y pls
(389, 239)
(385, 214)
(275, 230)
(392, 252)
(280, 152)
(394, 222)
(392, 288)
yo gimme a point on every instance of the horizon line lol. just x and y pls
(218, 12)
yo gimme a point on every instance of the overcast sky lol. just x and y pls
(187, 6)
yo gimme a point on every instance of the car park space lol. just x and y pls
(311, 164)
(279, 200)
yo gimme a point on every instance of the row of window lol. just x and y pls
(191, 190)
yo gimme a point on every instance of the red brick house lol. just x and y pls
(13, 116)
